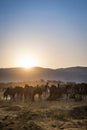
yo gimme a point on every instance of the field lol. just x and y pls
(43, 115)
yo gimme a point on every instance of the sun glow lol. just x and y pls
(28, 63)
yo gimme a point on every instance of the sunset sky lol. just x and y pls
(46, 33)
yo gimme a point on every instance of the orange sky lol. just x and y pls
(45, 33)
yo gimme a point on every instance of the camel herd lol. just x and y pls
(77, 92)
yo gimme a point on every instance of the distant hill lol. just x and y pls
(73, 74)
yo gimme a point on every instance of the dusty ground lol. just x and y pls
(43, 115)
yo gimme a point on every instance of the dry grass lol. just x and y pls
(43, 115)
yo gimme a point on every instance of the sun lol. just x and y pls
(28, 63)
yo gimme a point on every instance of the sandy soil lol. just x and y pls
(43, 115)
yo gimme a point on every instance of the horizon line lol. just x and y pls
(41, 67)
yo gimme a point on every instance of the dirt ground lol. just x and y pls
(43, 115)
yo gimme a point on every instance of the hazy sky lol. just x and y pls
(51, 33)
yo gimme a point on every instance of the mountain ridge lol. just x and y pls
(70, 74)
